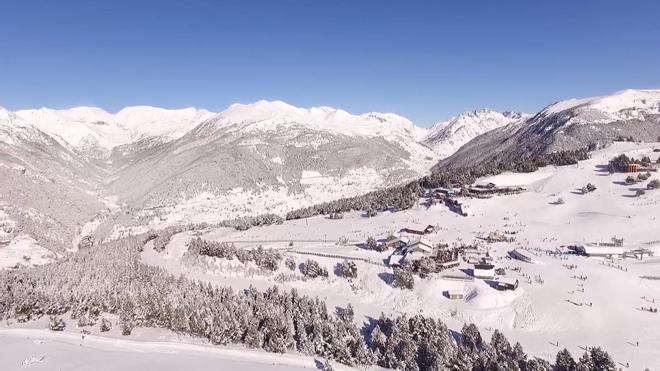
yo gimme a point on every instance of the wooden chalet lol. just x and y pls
(393, 242)
(428, 230)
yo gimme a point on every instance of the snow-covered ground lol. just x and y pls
(24, 250)
(19, 249)
(602, 310)
(41, 349)
(211, 208)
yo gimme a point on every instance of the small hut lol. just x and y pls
(454, 294)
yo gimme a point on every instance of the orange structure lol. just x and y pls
(633, 168)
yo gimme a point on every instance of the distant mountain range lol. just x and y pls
(68, 172)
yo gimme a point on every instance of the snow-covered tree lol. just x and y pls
(56, 323)
(564, 361)
(348, 269)
(403, 278)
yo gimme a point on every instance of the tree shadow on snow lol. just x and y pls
(492, 283)
(601, 168)
(363, 246)
(634, 190)
(456, 335)
(387, 277)
(368, 327)
(337, 269)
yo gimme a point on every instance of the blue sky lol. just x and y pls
(426, 60)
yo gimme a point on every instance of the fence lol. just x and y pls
(335, 256)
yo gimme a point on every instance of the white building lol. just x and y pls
(484, 271)
(602, 251)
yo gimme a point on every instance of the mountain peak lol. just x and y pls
(266, 115)
(446, 137)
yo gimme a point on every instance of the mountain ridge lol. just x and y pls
(569, 125)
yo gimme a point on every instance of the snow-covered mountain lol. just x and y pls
(95, 132)
(569, 125)
(47, 191)
(185, 165)
(447, 137)
(272, 157)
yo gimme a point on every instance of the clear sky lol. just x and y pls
(426, 60)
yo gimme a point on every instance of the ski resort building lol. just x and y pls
(417, 250)
(445, 192)
(484, 271)
(601, 251)
(491, 189)
(458, 276)
(393, 242)
(428, 230)
(505, 284)
(522, 255)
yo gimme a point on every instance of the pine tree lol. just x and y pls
(471, 337)
(564, 361)
(56, 324)
(348, 269)
(105, 325)
(403, 278)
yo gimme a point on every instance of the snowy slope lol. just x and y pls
(622, 105)
(14, 129)
(625, 105)
(447, 137)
